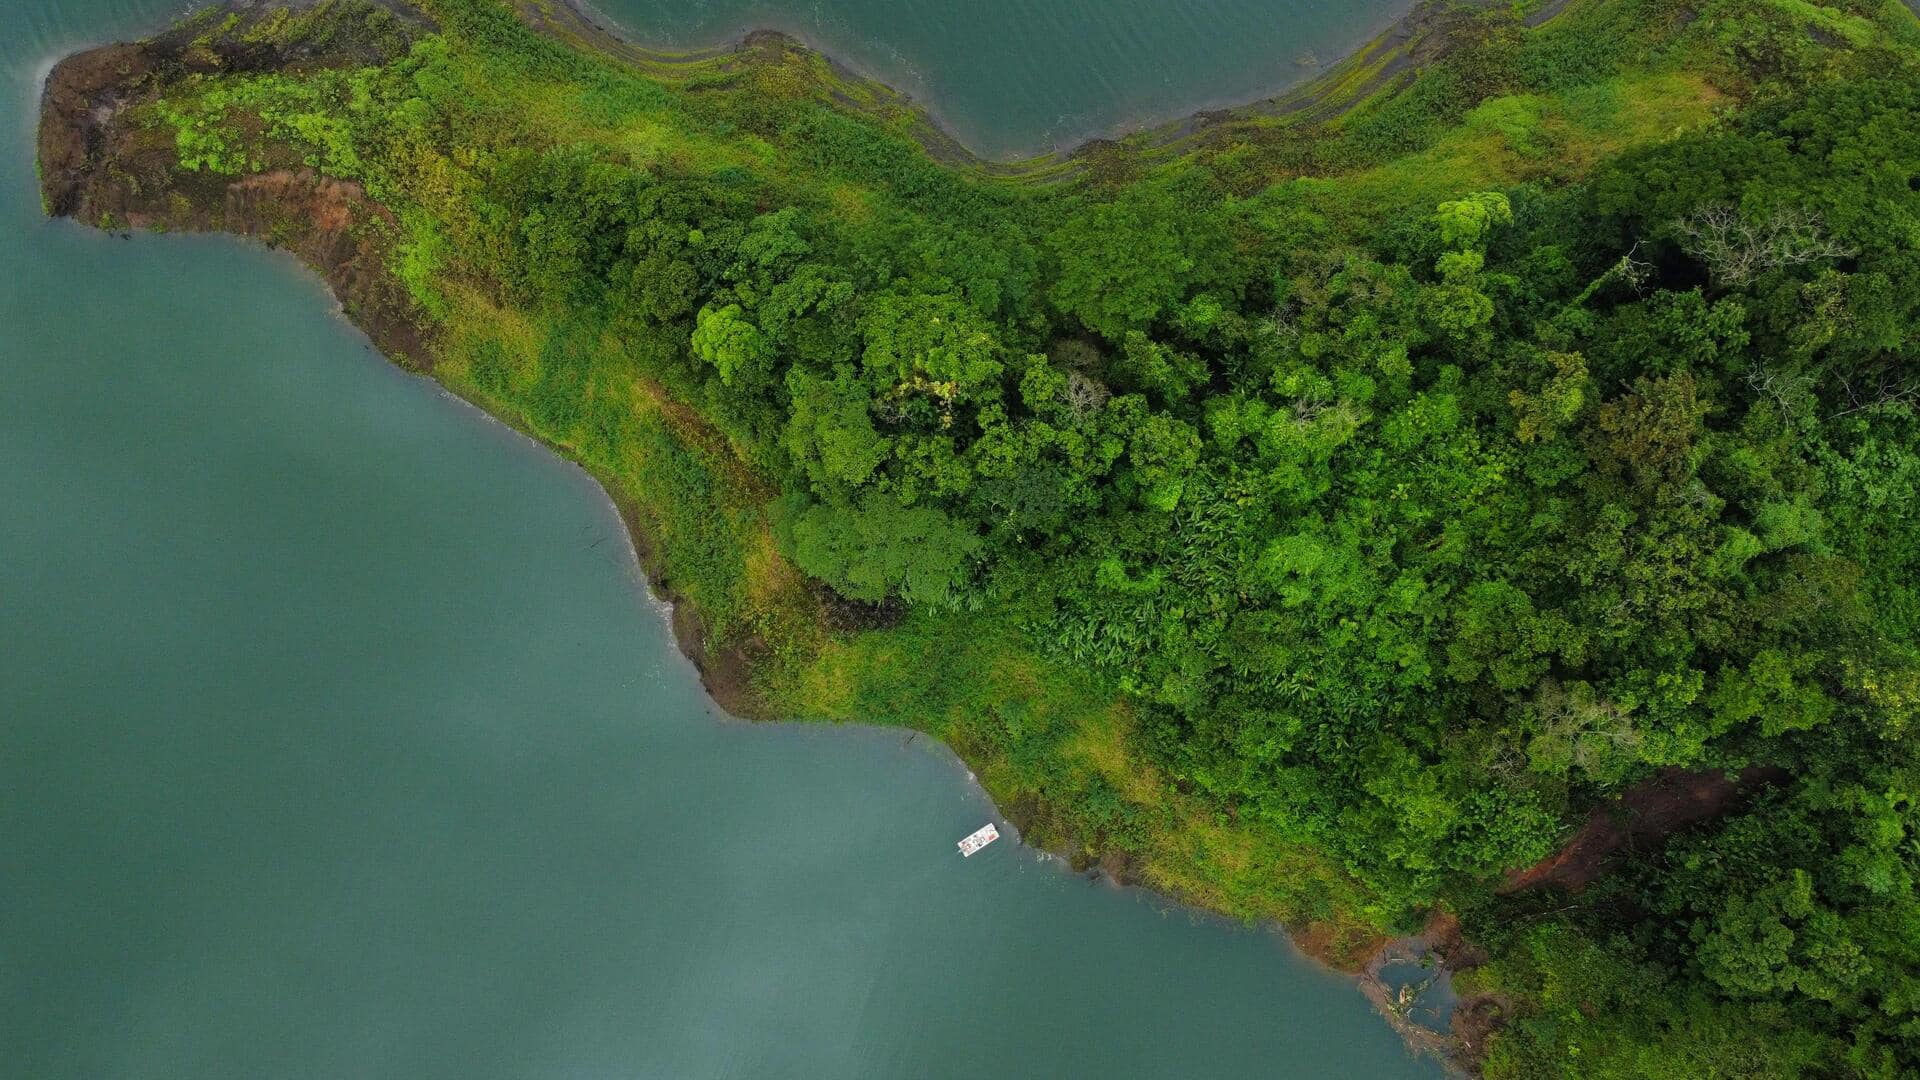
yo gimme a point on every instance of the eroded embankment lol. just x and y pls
(108, 173)
(1642, 818)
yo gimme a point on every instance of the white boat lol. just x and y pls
(981, 837)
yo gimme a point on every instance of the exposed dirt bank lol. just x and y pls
(726, 670)
(1439, 948)
(1642, 818)
(119, 176)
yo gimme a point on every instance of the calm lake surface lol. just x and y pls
(1018, 77)
(339, 739)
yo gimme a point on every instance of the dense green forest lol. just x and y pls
(1319, 515)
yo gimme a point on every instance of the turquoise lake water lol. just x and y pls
(340, 739)
(1016, 77)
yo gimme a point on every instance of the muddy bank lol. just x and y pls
(1423, 1006)
(119, 176)
(1640, 819)
(726, 669)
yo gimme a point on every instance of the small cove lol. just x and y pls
(1013, 78)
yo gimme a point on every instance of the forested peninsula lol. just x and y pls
(1476, 492)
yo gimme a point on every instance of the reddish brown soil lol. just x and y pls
(1475, 1020)
(1645, 815)
(1337, 947)
(119, 175)
(1444, 937)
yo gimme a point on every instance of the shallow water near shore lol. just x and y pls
(339, 738)
(1013, 78)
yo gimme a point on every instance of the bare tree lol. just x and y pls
(1282, 321)
(1084, 395)
(1788, 392)
(1736, 250)
(1632, 271)
(1885, 389)
(1310, 408)
(1629, 271)
(1578, 728)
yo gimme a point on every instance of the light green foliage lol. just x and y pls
(1161, 451)
(734, 346)
(879, 549)
(1127, 262)
(1467, 224)
(1520, 121)
(831, 428)
(201, 140)
(933, 347)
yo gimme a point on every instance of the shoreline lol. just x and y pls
(253, 208)
(739, 36)
(1384, 61)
